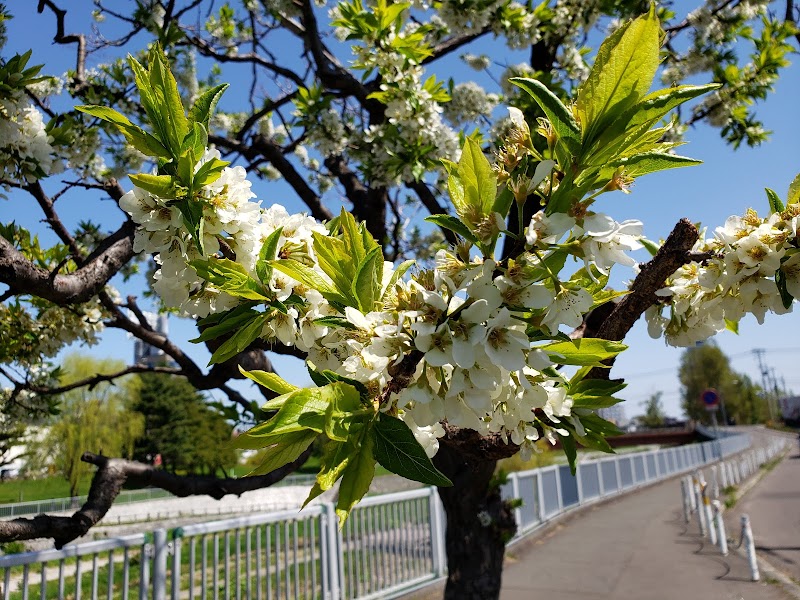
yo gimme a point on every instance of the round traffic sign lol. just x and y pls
(710, 398)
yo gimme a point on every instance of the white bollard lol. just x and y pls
(690, 485)
(720, 523)
(714, 483)
(750, 547)
(723, 474)
(712, 531)
(685, 499)
(701, 513)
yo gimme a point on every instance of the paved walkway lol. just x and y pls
(774, 509)
(637, 547)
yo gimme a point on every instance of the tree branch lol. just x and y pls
(111, 475)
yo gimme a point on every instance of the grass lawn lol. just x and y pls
(25, 490)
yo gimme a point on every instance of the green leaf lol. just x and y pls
(271, 381)
(453, 224)
(732, 326)
(595, 393)
(398, 273)
(203, 107)
(137, 137)
(622, 73)
(335, 458)
(303, 410)
(231, 277)
(560, 117)
(780, 281)
(240, 340)
(367, 283)
(651, 246)
(162, 186)
(165, 92)
(339, 418)
(194, 143)
(600, 426)
(209, 172)
(650, 162)
(775, 204)
(397, 450)
(480, 182)
(568, 445)
(583, 351)
(337, 263)
(793, 196)
(233, 320)
(657, 104)
(309, 277)
(268, 252)
(288, 450)
(356, 477)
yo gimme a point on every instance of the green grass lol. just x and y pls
(29, 490)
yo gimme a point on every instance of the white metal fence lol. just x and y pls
(391, 544)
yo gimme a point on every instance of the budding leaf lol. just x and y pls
(271, 381)
(775, 204)
(398, 450)
(583, 351)
(560, 117)
(203, 107)
(288, 450)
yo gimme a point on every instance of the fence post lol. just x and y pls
(701, 513)
(712, 531)
(516, 494)
(437, 535)
(160, 564)
(750, 547)
(714, 482)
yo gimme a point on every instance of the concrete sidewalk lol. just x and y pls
(636, 547)
(774, 509)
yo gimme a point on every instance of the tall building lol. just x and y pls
(145, 354)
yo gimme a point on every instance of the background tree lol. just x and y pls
(706, 366)
(370, 135)
(654, 415)
(97, 420)
(180, 426)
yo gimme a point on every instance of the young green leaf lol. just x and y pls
(303, 410)
(642, 164)
(367, 283)
(398, 273)
(793, 196)
(397, 450)
(568, 444)
(162, 186)
(453, 224)
(583, 351)
(775, 204)
(621, 75)
(309, 277)
(560, 117)
(343, 412)
(240, 340)
(203, 107)
(288, 450)
(165, 91)
(268, 252)
(356, 476)
(231, 277)
(271, 381)
(480, 182)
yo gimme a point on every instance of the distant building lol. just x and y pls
(144, 353)
(615, 414)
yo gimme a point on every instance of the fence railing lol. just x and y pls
(390, 545)
(57, 505)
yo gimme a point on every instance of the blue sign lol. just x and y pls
(710, 398)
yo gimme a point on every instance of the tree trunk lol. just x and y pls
(479, 523)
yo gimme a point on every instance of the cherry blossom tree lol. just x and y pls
(436, 368)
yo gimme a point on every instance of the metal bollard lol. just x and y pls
(720, 523)
(690, 484)
(701, 513)
(750, 547)
(712, 531)
(685, 499)
(723, 474)
(714, 482)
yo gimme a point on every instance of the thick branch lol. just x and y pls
(673, 254)
(23, 277)
(111, 475)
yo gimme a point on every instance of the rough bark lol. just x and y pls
(479, 523)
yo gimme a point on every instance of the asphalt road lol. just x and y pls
(637, 547)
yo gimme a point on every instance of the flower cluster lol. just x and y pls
(469, 317)
(26, 151)
(751, 265)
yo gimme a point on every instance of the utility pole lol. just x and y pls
(765, 383)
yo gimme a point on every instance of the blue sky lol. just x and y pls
(727, 183)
